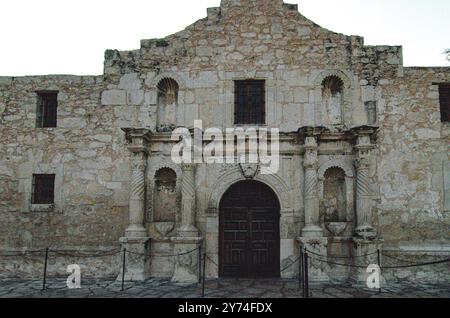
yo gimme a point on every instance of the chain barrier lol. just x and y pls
(290, 265)
(403, 260)
(395, 258)
(211, 260)
(382, 267)
(302, 260)
(23, 253)
(343, 257)
(281, 271)
(168, 255)
(337, 264)
(90, 255)
(417, 265)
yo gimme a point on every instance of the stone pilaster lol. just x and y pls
(136, 239)
(187, 261)
(365, 253)
(364, 228)
(317, 266)
(188, 243)
(137, 261)
(365, 242)
(312, 239)
(188, 206)
(136, 227)
(311, 193)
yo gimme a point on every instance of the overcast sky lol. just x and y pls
(70, 36)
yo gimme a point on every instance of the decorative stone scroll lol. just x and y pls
(249, 171)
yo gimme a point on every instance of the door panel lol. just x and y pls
(249, 232)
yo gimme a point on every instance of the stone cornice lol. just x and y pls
(359, 131)
(139, 139)
(167, 137)
(309, 131)
(323, 133)
(131, 133)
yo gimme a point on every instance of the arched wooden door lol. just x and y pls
(249, 231)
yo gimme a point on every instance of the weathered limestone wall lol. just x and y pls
(413, 161)
(267, 41)
(87, 154)
(413, 158)
(264, 39)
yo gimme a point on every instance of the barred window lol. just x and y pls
(444, 99)
(47, 109)
(250, 103)
(43, 189)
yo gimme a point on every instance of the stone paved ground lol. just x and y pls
(214, 289)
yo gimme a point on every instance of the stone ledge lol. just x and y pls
(132, 240)
(44, 208)
(186, 240)
(420, 248)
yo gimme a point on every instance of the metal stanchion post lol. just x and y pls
(300, 270)
(204, 275)
(306, 276)
(45, 269)
(123, 268)
(200, 265)
(379, 265)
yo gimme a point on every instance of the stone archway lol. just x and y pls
(230, 175)
(234, 175)
(249, 231)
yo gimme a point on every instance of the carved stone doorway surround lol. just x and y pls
(231, 175)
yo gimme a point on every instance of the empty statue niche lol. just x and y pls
(332, 100)
(165, 196)
(167, 104)
(334, 205)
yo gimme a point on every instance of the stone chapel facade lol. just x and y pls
(85, 161)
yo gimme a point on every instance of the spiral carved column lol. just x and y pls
(364, 228)
(136, 240)
(188, 228)
(137, 201)
(312, 238)
(311, 195)
(188, 243)
(365, 241)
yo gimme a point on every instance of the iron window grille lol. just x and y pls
(43, 189)
(444, 99)
(47, 110)
(250, 103)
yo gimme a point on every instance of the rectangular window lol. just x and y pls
(250, 102)
(444, 99)
(43, 189)
(47, 109)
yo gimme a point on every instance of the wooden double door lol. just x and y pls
(249, 232)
